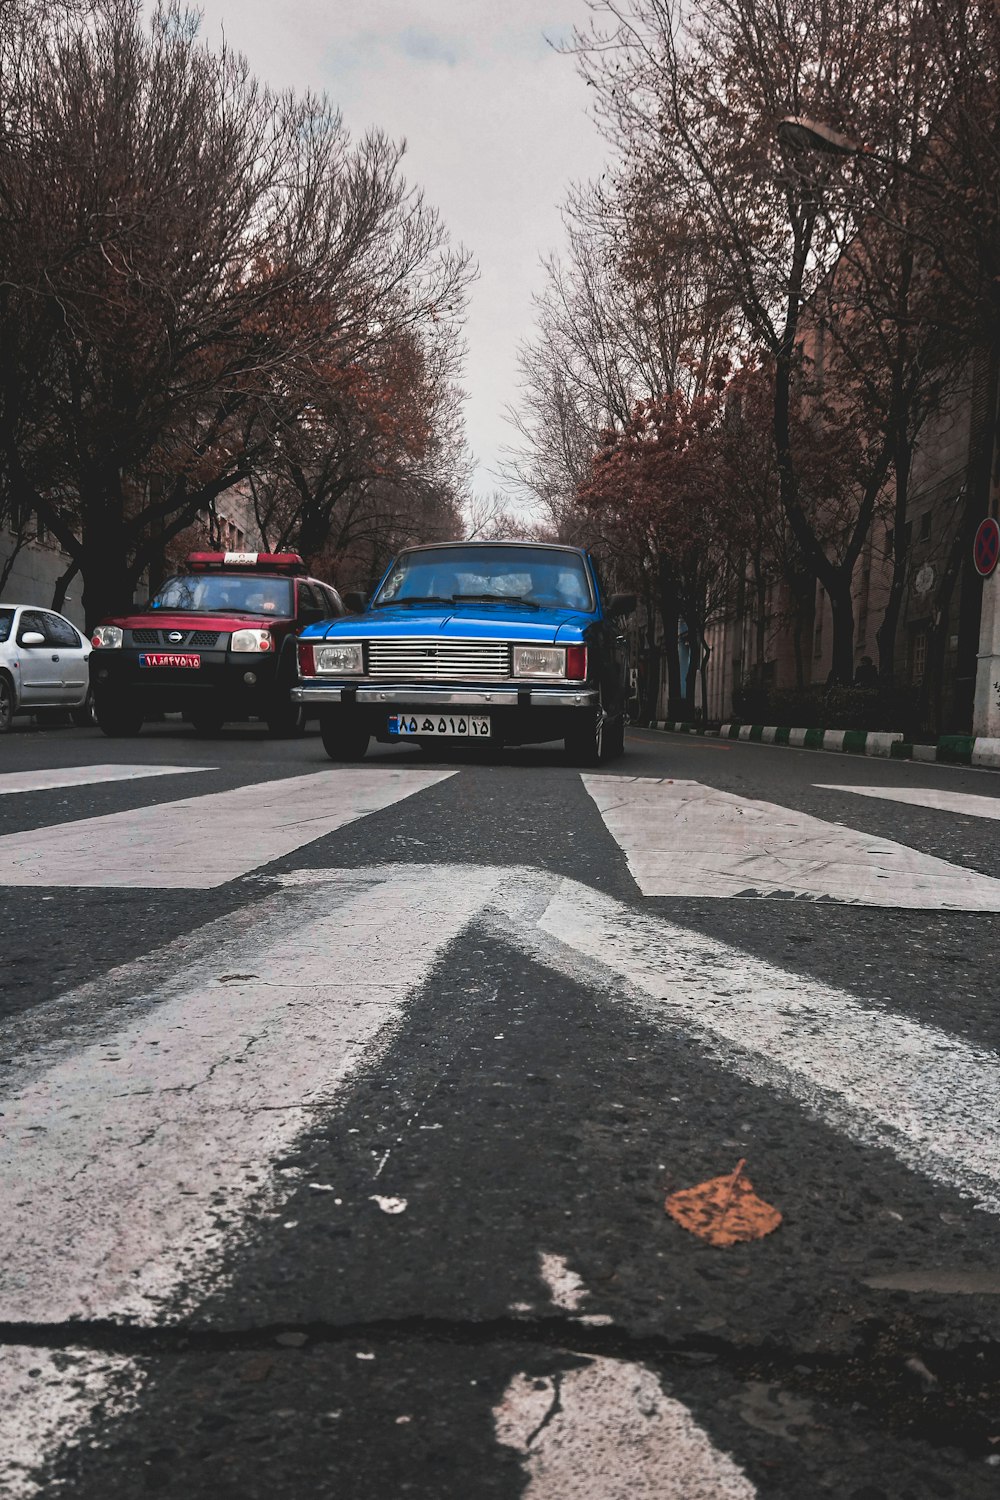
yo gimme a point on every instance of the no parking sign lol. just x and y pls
(987, 547)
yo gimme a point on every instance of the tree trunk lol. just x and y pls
(670, 615)
(760, 590)
(107, 588)
(842, 607)
(694, 665)
(62, 584)
(885, 635)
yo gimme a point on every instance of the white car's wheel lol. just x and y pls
(83, 716)
(6, 705)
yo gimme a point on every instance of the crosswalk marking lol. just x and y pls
(930, 1098)
(201, 842)
(129, 1164)
(682, 838)
(937, 799)
(152, 1122)
(49, 781)
(606, 1431)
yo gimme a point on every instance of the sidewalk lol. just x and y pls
(950, 749)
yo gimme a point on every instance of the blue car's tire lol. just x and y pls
(344, 735)
(585, 738)
(594, 739)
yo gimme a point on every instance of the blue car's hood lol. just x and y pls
(508, 622)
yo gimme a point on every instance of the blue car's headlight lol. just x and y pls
(341, 657)
(539, 661)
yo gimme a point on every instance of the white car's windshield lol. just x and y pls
(544, 577)
(215, 593)
(6, 621)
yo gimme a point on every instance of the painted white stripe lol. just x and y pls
(685, 839)
(833, 739)
(204, 841)
(47, 781)
(874, 1075)
(797, 737)
(969, 803)
(110, 1161)
(767, 734)
(565, 1287)
(927, 753)
(606, 1431)
(745, 731)
(127, 1167)
(48, 1400)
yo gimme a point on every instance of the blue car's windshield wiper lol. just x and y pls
(415, 599)
(496, 599)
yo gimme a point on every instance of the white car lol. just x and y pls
(43, 664)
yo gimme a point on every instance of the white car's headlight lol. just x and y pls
(107, 637)
(343, 656)
(539, 661)
(251, 640)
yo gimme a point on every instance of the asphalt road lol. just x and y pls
(340, 1106)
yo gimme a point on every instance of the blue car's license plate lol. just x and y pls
(453, 726)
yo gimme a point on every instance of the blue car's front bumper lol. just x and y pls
(392, 696)
(520, 713)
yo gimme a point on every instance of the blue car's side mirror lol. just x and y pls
(620, 605)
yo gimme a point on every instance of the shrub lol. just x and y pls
(892, 710)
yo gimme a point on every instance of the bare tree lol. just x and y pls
(692, 96)
(186, 256)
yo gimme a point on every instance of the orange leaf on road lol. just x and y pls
(724, 1210)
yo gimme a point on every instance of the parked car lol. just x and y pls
(509, 643)
(43, 665)
(216, 643)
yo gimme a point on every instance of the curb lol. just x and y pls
(950, 749)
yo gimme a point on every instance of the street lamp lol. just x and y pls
(809, 135)
(802, 134)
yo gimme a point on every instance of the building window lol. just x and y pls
(925, 526)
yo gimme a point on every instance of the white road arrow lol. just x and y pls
(130, 1161)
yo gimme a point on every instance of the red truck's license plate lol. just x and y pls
(168, 659)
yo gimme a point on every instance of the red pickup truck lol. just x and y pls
(216, 643)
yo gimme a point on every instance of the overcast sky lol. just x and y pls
(497, 129)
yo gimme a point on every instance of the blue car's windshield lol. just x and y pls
(214, 593)
(542, 576)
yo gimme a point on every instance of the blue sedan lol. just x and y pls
(495, 643)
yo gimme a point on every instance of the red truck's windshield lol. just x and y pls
(217, 593)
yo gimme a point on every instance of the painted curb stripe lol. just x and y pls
(951, 749)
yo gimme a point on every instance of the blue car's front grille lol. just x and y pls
(435, 659)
